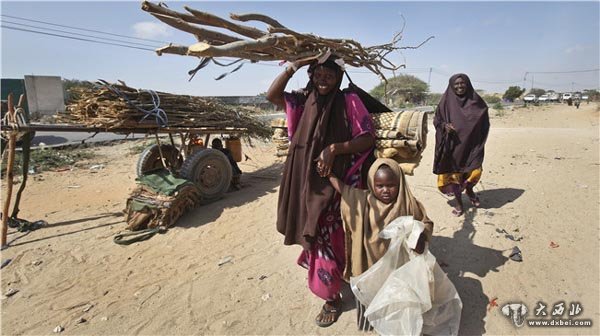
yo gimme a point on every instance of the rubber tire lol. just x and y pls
(210, 171)
(150, 159)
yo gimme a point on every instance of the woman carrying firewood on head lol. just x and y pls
(330, 132)
(461, 125)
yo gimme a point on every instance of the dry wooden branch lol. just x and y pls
(215, 21)
(173, 49)
(256, 17)
(200, 33)
(203, 18)
(276, 44)
(12, 140)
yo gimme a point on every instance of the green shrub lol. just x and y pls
(499, 109)
(48, 158)
(490, 99)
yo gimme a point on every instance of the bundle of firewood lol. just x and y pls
(277, 43)
(109, 106)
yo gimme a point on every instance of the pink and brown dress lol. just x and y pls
(308, 212)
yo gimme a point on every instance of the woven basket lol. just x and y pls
(401, 136)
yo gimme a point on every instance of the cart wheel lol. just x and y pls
(210, 171)
(150, 159)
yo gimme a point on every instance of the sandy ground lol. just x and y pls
(541, 177)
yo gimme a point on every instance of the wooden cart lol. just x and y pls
(209, 169)
(191, 159)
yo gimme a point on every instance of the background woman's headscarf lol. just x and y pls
(464, 150)
(303, 194)
(365, 216)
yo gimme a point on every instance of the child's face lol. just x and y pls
(385, 186)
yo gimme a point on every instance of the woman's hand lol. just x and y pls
(302, 62)
(325, 161)
(450, 128)
(275, 93)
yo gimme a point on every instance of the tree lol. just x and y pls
(491, 99)
(401, 89)
(433, 99)
(512, 93)
(593, 95)
(537, 92)
(69, 84)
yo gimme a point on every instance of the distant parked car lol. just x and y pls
(585, 97)
(530, 98)
(544, 98)
(566, 96)
(554, 97)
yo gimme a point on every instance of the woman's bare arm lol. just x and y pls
(275, 92)
(356, 145)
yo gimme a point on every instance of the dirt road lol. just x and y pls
(540, 182)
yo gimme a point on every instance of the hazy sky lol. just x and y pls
(495, 43)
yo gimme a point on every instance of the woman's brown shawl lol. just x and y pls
(462, 151)
(303, 194)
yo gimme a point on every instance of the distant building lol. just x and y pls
(44, 95)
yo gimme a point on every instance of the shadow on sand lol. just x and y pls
(461, 257)
(24, 234)
(493, 198)
(254, 185)
(49, 140)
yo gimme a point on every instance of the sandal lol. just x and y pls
(457, 212)
(475, 201)
(329, 309)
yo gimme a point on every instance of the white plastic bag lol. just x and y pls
(406, 293)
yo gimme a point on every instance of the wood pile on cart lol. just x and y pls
(115, 106)
(110, 105)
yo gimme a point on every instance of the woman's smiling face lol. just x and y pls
(324, 79)
(460, 86)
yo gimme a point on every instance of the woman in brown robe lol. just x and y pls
(330, 132)
(461, 125)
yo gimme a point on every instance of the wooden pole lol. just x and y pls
(12, 140)
(25, 155)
